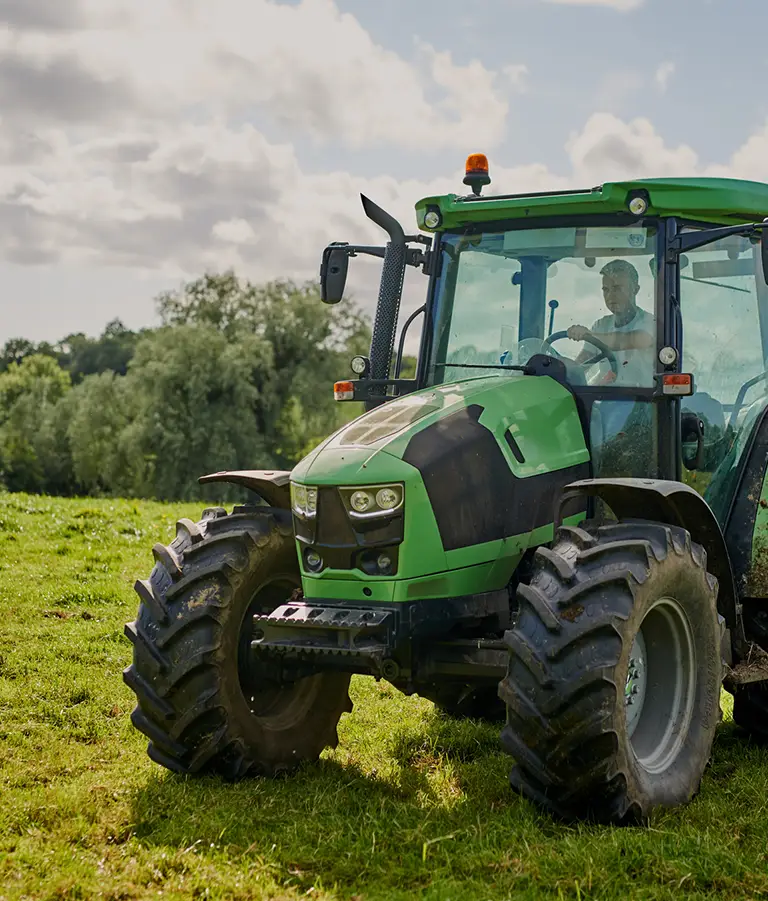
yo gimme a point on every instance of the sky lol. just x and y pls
(143, 142)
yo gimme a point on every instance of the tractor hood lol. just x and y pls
(533, 410)
(479, 464)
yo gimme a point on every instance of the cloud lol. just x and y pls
(663, 74)
(234, 231)
(42, 15)
(180, 198)
(58, 90)
(127, 135)
(307, 67)
(608, 148)
(620, 5)
(751, 160)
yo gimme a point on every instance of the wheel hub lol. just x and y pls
(660, 686)
(634, 690)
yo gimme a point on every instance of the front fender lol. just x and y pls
(677, 505)
(271, 485)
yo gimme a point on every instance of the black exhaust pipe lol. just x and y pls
(390, 293)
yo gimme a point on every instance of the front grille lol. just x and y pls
(334, 528)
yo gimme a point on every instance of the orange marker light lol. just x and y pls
(477, 163)
(344, 391)
(677, 383)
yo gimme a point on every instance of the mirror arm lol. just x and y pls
(352, 250)
(414, 256)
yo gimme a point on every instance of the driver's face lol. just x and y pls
(618, 292)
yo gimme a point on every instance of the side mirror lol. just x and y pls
(764, 251)
(333, 272)
(692, 439)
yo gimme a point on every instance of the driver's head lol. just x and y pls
(620, 286)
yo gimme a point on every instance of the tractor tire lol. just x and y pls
(201, 703)
(614, 675)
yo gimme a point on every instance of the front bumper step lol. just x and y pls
(304, 631)
(382, 642)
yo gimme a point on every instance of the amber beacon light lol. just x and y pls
(476, 172)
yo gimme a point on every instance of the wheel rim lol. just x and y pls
(660, 686)
(275, 704)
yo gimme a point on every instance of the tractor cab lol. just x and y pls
(642, 297)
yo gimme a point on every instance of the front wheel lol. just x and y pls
(202, 702)
(615, 671)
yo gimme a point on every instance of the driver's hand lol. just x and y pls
(579, 333)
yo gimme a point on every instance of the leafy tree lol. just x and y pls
(37, 376)
(195, 395)
(111, 352)
(238, 376)
(311, 345)
(220, 300)
(14, 351)
(102, 410)
(55, 448)
(30, 433)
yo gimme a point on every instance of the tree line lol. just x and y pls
(237, 376)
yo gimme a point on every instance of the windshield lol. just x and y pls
(503, 296)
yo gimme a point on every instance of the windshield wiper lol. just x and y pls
(703, 281)
(526, 369)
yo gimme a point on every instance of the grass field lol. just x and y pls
(409, 806)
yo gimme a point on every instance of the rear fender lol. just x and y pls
(677, 505)
(271, 485)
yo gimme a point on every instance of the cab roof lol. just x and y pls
(722, 201)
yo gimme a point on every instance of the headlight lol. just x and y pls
(303, 500)
(372, 500)
(387, 498)
(360, 501)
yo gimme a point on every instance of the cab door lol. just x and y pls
(724, 305)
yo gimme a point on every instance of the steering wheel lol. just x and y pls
(605, 351)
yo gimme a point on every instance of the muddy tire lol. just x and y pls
(614, 675)
(200, 702)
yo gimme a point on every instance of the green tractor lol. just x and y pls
(560, 522)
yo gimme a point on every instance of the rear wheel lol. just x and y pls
(202, 702)
(615, 670)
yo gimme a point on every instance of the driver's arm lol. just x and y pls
(635, 340)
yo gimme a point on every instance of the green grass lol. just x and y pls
(410, 805)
